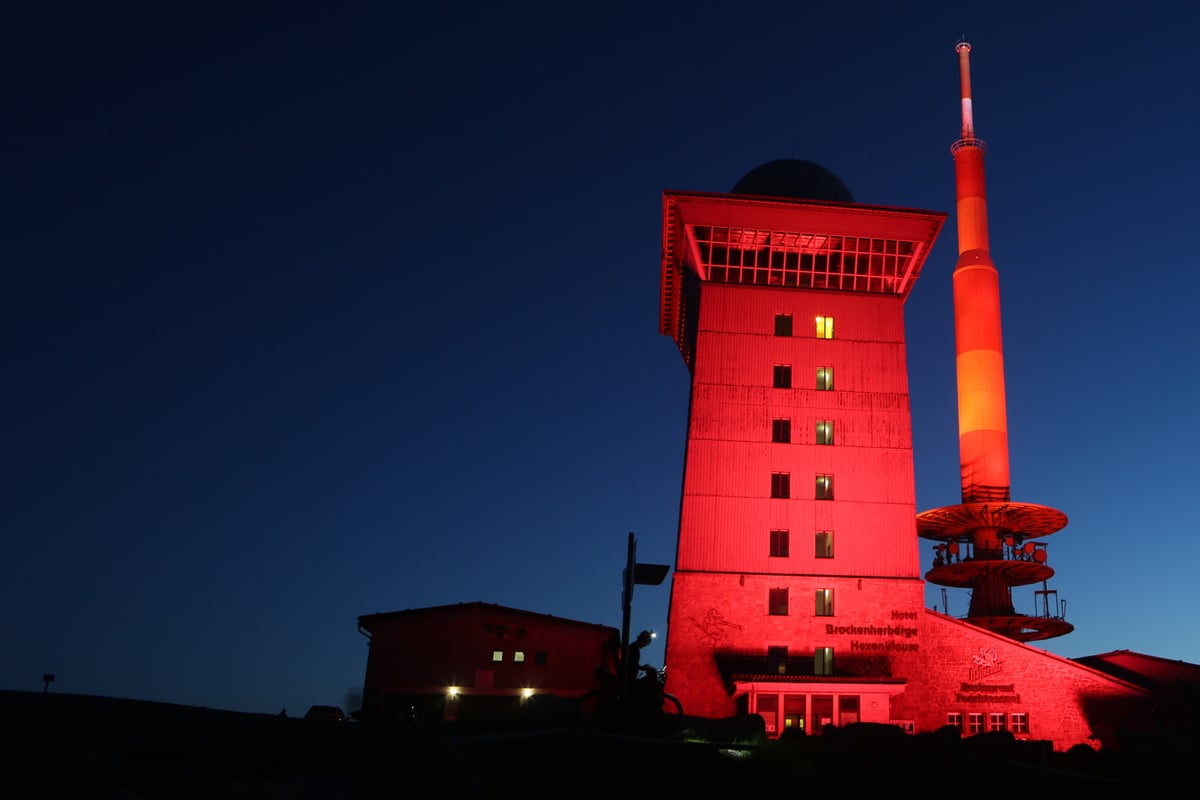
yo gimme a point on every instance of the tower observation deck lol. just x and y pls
(986, 543)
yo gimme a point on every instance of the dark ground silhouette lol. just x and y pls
(60, 745)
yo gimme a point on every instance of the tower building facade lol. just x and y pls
(797, 558)
(798, 592)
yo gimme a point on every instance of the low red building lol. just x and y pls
(472, 659)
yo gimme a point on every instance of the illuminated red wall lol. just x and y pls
(892, 660)
(960, 668)
(724, 571)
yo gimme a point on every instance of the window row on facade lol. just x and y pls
(781, 486)
(816, 710)
(780, 543)
(972, 722)
(781, 430)
(824, 326)
(781, 378)
(803, 258)
(778, 604)
(777, 661)
(518, 657)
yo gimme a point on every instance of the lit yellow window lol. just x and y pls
(824, 327)
(824, 431)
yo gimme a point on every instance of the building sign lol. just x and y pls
(986, 693)
(896, 638)
(984, 664)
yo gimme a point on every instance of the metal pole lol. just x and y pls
(626, 607)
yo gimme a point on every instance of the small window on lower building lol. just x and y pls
(497, 656)
(781, 430)
(779, 543)
(824, 487)
(781, 484)
(824, 602)
(777, 602)
(824, 544)
(782, 376)
(823, 661)
(954, 720)
(519, 657)
(974, 722)
(996, 722)
(1018, 722)
(783, 324)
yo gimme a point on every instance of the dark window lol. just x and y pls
(954, 719)
(778, 602)
(825, 379)
(783, 376)
(848, 709)
(777, 660)
(824, 544)
(767, 707)
(824, 431)
(974, 722)
(783, 324)
(781, 430)
(822, 709)
(781, 484)
(824, 487)
(779, 543)
(1019, 722)
(996, 721)
(539, 657)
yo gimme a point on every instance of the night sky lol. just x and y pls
(316, 311)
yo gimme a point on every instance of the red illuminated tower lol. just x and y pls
(797, 577)
(985, 544)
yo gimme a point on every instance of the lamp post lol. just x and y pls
(635, 573)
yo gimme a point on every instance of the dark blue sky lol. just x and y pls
(317, 311)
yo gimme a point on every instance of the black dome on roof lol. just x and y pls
(794, 178)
